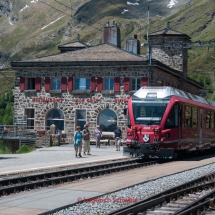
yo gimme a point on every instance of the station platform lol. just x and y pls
(41, 200)
(53, 157)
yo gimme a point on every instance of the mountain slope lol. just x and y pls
(33, 28)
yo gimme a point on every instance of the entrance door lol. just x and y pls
(200, 130)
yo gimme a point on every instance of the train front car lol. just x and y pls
(153, 123)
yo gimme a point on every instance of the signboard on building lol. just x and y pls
(20, 120)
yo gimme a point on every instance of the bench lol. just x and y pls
(105, 141)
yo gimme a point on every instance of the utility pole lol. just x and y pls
(148, 49)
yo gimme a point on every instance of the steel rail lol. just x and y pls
(30, 182)
(168, 195)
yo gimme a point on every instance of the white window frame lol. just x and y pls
(30, 118)
(135, 86)
(54, 83)
(85, 86)
(108, 84)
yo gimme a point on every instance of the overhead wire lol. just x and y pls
(84, 15)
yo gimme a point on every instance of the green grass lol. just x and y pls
(25, 149)
(3, 148)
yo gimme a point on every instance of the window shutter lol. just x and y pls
(100, 84)
(93, 84)
(70, 83)
(38, 84)
(22, 83)
(144, 81)
(126, 84)
(47, 83)
(63, 83)
(117, 84)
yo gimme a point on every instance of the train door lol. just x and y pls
(200, 130)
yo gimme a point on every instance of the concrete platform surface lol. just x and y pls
(54, 157)
(38, 201)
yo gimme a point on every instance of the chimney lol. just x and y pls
(132, 45)
(111, 34)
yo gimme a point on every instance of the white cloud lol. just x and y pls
(26, 6)
(124, 11)
(129, 3)
(172, 3)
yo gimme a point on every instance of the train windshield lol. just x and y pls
(149, 111)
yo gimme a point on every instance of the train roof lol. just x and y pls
(163, 92)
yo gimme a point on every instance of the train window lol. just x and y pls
(188, 115)
(209, 119)
(172, 120)
(194, 117)
(212, 120)
(191, 117)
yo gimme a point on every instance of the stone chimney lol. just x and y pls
(132, 45)
(111, 34)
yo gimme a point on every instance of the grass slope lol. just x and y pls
(87, 17)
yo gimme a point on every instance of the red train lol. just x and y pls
(165, 122)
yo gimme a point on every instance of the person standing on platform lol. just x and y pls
(117, 136)
(86, 139)
(78, 141)
(98, 135)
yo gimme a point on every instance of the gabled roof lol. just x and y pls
(168, 32)
(104, 52)
(74, 45)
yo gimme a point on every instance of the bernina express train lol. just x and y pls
(164, 122)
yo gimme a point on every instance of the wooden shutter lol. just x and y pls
(63, 83)
(144, 81)
(117, 84)
(126, 84)
(38, 84)
(100, 84)
(47, 83)
(70, 83)
(93, 84)
(22, 83)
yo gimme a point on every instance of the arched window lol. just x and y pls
(107, 120)
(55, 116)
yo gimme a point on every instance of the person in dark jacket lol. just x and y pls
(117, 136)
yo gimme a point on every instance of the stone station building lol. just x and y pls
(86, 84)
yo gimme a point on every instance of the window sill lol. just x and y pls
(110, 92)
(55, 91)
(81, 91)
(30, 91)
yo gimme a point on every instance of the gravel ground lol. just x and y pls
(113, 201)
(52, 154)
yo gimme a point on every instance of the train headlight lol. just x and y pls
(146, 138)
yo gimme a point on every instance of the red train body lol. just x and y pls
(165, 122)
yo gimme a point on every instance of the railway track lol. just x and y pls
(39, 180)
(193, 198)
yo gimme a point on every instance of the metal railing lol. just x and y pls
(16, 133)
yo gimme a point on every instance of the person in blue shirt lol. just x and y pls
(78, 141)
(117, 136)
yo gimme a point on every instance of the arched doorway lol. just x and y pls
(107, 120)
(55, 116)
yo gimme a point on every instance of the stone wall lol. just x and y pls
(170, 53)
